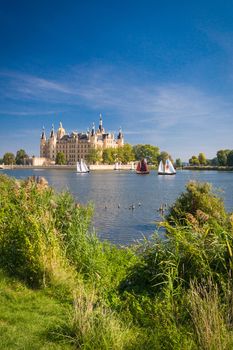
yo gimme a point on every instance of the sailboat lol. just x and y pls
(167, 169)
(142, 167)
(132, 166)
(117, 166)
(82, 167)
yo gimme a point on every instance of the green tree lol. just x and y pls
(214, 162)
(194, 161)
(147, 151)
(94, 156)
(230, 158)
(202, 159)
(109, 156)
(60, 158)
(178, 163)
(222, 156)
(125, 154)
(164, 156)
(8, 158)
(21, 157)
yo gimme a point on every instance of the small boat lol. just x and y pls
(167, 168)
(142, 167)
(132, 166)
(82, 167)
(117, 166)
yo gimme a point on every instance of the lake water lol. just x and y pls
(113, 192)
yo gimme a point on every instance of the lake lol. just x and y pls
(114, 192)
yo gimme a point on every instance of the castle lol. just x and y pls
(76, 146)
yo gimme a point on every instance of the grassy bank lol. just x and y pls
(63, 288)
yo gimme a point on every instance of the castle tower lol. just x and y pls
(52, 145)
(101, 129)
(120, 138)
(43, 143)
(93, 129)
(60, 132)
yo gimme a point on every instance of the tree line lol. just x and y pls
(224, 157)
(20, 158)
(127, 154)
(124, 155)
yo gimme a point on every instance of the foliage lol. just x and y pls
(8, 158)
(149, 152)
(29, 241)
(202, 159)
(125, 154)
(230, 158)
(170, 292)
(109, 156)
(198, 203)
(60, 158)
(178, 163)
(222, 157)
(94, 156)
(21, 157)
(214, 162)
(194, 161)
(164, 156)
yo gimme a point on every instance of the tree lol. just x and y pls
(125, 154)
(202, 159)
(94, 156)
(21, 157)
(214, 162)
(222, 156)
(60, 158)
(230, 158)
(147, 151)
(178, 163)
(194, 161)
(109, 156)
(164, 156)
(8, 158)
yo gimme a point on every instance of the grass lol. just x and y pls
(69, 290)
(28, 317)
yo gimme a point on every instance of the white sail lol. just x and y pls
(161, 169)
(171, 167)
(167, 169)
(78, 168)
(83, 167)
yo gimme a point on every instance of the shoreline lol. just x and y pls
(107, 167)
(208, 167)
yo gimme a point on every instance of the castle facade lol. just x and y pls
(76, 146)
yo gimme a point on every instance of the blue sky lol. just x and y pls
(162, 70)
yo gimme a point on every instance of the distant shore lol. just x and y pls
(62, 167)
(208, 167)
(107, 167)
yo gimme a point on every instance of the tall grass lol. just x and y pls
(155, 295)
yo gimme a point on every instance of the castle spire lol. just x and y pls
(120, 135)
(101, 123)
(52, 131)
(93, 129)
(43, 135)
